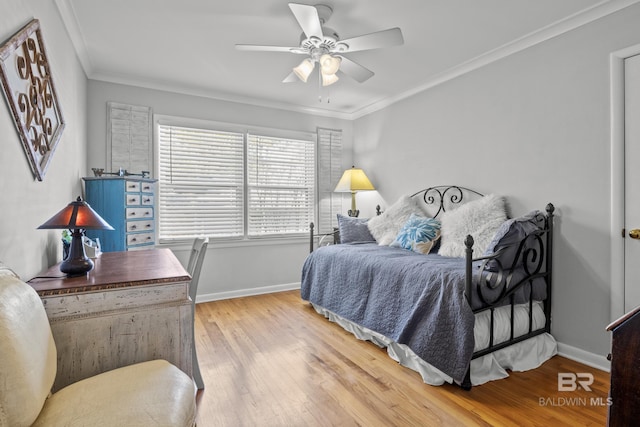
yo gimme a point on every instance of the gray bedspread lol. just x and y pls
(416, 300)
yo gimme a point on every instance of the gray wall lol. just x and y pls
(533, 127)
(230, 269)
(25, 202)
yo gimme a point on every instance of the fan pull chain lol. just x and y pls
(320, 89)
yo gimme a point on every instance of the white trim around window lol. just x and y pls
(256, 183)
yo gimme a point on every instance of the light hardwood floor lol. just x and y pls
(271, 360)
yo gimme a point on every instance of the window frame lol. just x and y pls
(246, 130)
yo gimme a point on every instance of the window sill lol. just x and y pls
(237, 243)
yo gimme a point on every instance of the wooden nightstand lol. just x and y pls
(625, 370)
(132, 307)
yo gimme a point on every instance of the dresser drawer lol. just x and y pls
(147, 200)
(132, 199)
(132, 186)
(140, 212)
(139, 226)
(140, 239)
(147, 187)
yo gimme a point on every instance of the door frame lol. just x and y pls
(617, 176)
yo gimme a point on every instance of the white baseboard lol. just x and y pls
(247, 292)
(590, 359)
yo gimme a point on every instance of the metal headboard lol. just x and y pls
(441, 198)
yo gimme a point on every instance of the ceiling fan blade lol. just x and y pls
(263, 48)
(291, 78)
(307, 17)
(385, 38)
(355, 70)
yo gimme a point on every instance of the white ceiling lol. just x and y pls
(189, 45)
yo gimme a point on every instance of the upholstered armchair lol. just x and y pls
(154, 393)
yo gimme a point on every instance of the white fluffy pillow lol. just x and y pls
(480, 218)
(386, 226)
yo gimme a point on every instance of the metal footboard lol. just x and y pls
(535, 255)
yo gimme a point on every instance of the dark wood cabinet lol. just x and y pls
(625, 370)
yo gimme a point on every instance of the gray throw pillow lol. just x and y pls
(509, 236)
(353, 230)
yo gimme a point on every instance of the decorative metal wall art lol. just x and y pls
(28, 87)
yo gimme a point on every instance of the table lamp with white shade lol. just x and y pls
(352, 181)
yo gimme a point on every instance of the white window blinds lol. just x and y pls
(234, 184)
(329, 172)
(201, 183)
(280, 183)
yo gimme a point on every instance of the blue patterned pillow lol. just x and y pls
(418, 234)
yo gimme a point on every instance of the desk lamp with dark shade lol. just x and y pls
(76, 217)
(352, 181)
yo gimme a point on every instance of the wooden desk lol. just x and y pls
(132, 307)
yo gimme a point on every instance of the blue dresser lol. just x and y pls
(127, 203)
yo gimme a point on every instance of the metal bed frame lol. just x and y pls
(534, 253)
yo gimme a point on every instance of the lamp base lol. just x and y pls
(76, 267)
(353, 211)
(77, 263)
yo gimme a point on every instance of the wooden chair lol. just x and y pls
(198, 251)
(143, 394)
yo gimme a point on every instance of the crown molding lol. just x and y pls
(572, 22)
(579, 19)
(70, 22)
(220, 96)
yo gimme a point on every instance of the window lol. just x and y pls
(230, 184)
(201, 183)
(280, 175)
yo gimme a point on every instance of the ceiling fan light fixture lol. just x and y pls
(304, 69)
(324, 46)
(329, 79)
(330, 64)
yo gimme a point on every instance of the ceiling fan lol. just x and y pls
(323, 46)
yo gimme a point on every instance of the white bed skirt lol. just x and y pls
(525, 355)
